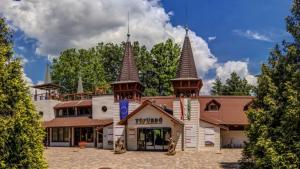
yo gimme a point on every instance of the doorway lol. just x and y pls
(83, 134)
(153, 139)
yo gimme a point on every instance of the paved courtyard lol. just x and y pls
(91, 158)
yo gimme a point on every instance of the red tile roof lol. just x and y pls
(231, 109)
(129, 71)
(76, 103)
(186, 67)
(76, 122)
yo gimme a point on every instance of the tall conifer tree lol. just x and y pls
(21, 133)
(274, 130)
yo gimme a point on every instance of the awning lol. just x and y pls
(76, 122)
(77, 103)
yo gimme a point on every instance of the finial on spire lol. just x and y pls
(128, 33)
(186, 30)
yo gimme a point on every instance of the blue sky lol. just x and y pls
(225, 19)
(236, 32)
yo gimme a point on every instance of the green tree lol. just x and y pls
(165, 60)
(111, 56)
(217, 88)
(21, 132)
(100, 66)
(73, 63)
(274, 130)
(233, 86)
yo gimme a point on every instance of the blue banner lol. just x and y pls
(123, 109)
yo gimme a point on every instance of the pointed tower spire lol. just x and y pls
(47, 78)
(129, 70)
(79, 85)
(128, 85)
(186, 67)
(186, 83)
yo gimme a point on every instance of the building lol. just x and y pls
(194, 122)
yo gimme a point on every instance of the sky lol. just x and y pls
(226, 36)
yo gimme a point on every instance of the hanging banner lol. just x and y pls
(123, 109)
(185, 104)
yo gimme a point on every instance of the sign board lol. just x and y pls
(149, 120)
(190, 138)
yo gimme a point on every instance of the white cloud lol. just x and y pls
(21, 48)
(212, 38)
(223, 71)
(207, 85)
(61, 24)
(252, 35)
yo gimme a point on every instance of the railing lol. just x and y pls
(66, 97)
(45, 96)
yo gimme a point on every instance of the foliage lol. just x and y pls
(233, 86)
(21, 133)
(74, 63)
(100, 66)
(274, 130)
(217, 88)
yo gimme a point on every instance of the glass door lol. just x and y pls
(153, 139)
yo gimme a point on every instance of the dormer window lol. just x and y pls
(213, 106)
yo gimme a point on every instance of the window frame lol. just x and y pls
(58, 130)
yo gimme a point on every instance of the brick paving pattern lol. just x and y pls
(91, 158)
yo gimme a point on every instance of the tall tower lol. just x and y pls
(186, 83)
(128, 85)
(186, 106)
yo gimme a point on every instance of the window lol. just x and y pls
(104, 108)
(55, 134)
(41, 113)
(60, 134)
(84, 111)
(66, 134)
(213, 105)
(87, 134)
(71, 111)
(100, 136)
(65, 112)
(209, 137)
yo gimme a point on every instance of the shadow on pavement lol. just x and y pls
(229, 165)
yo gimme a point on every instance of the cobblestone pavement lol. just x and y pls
(91, 158)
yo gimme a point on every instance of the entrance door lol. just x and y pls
(153, 139)
(76, 136)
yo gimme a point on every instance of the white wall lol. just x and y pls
(119, 130)
(47, 107)
(107, 135)
(149, 112)
(233, 138)
(100, 101)
(202, 127)
(191, 126)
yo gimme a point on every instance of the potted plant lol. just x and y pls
(82, 144)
